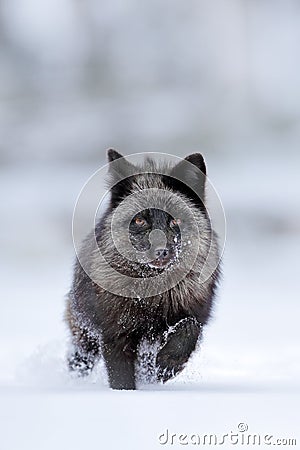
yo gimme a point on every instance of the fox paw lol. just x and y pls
(180, 343)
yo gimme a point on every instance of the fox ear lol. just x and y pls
(191, 175)
(112, 155)
(121, 167)
(198, 161)
(120, 170)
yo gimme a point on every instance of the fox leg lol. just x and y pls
(120, 364)
(86, 352)
(180, 342)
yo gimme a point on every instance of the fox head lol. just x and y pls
(157, 206)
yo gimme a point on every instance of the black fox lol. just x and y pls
(162, 289)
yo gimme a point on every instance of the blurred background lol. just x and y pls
(219, 77)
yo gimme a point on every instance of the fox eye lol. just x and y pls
(175, 222)
(139, 221)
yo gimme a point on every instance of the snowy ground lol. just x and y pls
(246, 372)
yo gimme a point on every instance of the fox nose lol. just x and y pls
(161, 253)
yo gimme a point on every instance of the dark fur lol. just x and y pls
(114, 326)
